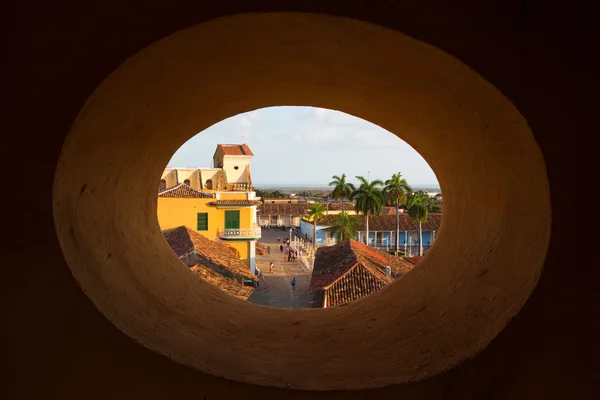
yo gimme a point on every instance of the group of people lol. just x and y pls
(290, 254)
(273, 227)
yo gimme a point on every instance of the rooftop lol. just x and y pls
(237, 202)
(337, 206)
(185, 241)
(333, 262)
(235, 149)
(413, 260)
(283, 208)
(183, 191)
(228, 285)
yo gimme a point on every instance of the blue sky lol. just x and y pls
(307, 146)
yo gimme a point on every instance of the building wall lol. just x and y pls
(283, 220)
(229, 164)
(206, 174)
(173, 212)
(170, 176)
(234, 195)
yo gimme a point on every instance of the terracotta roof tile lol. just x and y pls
(236, 150)
(230, 286)
(240, 202)
(350, 270)
(413, 260)
(185, 241)
(183, 191)
(284, 209)
(333, 206)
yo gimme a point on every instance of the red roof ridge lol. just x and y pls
(235, 149)
(186, 191)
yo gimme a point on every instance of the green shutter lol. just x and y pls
(202, 221)
(232, 219)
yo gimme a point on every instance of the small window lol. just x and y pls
(187, 182)
(162, 185)
(202, 221)
(236, 167)
(209, 184)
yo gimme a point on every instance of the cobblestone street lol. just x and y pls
(278, 292)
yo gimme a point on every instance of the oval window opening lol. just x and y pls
(314, 224)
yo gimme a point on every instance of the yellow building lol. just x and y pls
(218, 202)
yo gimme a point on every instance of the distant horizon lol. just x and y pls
(325, 186)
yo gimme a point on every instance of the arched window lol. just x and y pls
(187, 182)
(209, 184)
(162, 185)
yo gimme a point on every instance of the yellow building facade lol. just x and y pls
(218, 203)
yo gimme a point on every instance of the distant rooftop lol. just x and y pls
(183, 191)
(236, 149)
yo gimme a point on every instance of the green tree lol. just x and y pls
(345, 226)
(315, 213)
(417, 210)
(369, 200)
(395, 192)
(342, 189)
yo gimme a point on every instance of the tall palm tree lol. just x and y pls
(316, 213)
(345, 226)
(417, 210)
(342, 189)
(369, 199)
(395, 193)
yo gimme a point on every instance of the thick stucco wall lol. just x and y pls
(60, 346)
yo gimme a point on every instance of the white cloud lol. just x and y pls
(244, 122)
(321, 112)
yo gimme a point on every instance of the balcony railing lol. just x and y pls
(240, 187)
(240, 233)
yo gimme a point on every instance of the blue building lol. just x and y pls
(382, 231)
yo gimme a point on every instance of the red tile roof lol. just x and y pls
(333, 262)
(334, 206)
(387, 223)
(183, 191)
(185, 241)
(230, 286)
(350, 270)
(236, 150)
(413, 260)
(237, 202)
(295, 209)
(390, 211)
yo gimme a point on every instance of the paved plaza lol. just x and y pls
(277, 290)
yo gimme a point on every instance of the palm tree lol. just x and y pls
(316, 213)
(417, 210)
(345, 226)
(342, 189)
(369, 200)
(395, 193)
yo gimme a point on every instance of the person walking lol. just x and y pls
(277, 239)
(281, 248)
(271, 267)
(293, 283)
(268, 249)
